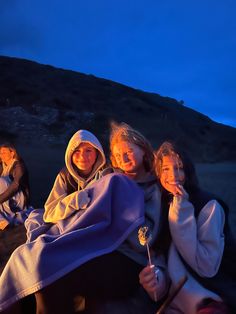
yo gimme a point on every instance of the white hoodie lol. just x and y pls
(61, 203)
(200, 241)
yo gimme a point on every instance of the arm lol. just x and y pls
(60, 205)
(199, 241)
(14, 186)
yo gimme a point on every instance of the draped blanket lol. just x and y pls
(53, 250)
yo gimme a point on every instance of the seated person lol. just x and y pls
(84, 159)
(194, 237)
(14, 187)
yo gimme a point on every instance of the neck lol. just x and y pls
(84, 174)
(8, 162)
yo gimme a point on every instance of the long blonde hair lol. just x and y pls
(124, 132)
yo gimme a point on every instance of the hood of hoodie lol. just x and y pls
(83, 136)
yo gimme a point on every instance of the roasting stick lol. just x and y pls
(144, 238)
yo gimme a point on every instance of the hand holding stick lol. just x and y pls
(144, 238)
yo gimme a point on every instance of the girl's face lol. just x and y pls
(172, 174)
(84, 157)
(6, 154)
(129, 157)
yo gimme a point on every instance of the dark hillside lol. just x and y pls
(49, 104)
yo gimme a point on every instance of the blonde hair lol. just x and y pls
(124, 132)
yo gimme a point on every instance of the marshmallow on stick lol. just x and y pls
(144, 238)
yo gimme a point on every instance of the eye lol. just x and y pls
(164, 169)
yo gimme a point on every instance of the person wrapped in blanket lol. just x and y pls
(194, 237)
(84, 164)
(14, 187)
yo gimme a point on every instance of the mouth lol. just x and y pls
(173, 182)
(127, 164)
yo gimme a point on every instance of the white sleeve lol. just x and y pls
(200, 242)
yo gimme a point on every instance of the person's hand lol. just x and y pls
(180, 191)
(83, 199)
(147, 278)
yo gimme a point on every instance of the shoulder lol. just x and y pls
(106, 171)
(67, 179)
(64, 175)
(63, 172)
(212, 212)
(18, 168)
(201, 199)
(18, 163)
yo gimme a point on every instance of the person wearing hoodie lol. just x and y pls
(84, 161)
(196, 237)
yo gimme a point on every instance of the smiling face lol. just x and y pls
(129, 157)
(171, 173)
(84, 158)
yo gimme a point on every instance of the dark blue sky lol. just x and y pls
(178, 48)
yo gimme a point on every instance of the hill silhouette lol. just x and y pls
(46, 104)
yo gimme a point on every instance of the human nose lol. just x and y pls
(174, 173)
(83, 154)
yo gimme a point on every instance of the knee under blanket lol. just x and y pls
(116, 209)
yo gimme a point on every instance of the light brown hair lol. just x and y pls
(124, 132)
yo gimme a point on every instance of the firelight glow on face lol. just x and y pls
(172, 173)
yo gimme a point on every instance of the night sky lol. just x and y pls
(182, 49)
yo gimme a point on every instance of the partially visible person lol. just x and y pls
(194, 236)
(132, 154)
(14, 187)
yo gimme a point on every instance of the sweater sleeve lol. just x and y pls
(14, 186)
(61, 205)
(199, 241)
(57, 206)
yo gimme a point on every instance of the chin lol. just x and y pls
(129, 170)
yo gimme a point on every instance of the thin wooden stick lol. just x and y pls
(172, 295)
(150, 263)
